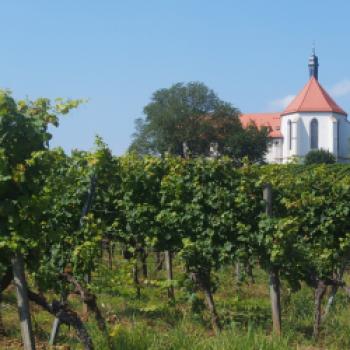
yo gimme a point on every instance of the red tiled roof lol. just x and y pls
(313, 98)
(271, 120)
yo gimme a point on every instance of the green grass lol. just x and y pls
(179, 338)
(152, 323)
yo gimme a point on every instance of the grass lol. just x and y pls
(152, 323)
(179, 338)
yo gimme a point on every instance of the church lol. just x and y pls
(313, 120)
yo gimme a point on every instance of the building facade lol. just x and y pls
(311, 121)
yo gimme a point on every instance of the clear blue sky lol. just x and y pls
(118, 52)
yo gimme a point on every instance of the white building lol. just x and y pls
(311, 121)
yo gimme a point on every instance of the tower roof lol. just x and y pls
(313, 98)
(313, 65)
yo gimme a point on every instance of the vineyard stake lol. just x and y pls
(274, 280)
(169, 269)
(23, 301)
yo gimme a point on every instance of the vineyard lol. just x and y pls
(105, 252)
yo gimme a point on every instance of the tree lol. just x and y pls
(192, 116)
(319, 156)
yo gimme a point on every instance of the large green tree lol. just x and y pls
(192, 117)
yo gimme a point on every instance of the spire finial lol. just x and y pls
(313, 63)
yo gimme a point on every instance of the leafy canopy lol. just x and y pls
(23, 134)
(193, 114)
(319, 156)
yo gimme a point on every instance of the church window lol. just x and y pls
(289, 134)
(314, 134)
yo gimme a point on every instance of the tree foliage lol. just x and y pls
(319, 156)
(193, 115)
(23, 132)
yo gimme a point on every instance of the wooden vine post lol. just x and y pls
(135, 277)
(57, 323)
(170, 277)
(84, 213)
(54, 331)
(320, 291)
(238, 273)
(20, 283)
(274, 280)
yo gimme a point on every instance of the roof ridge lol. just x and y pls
(308, 85)
(255, 113)
(327, 96)
(330, 100)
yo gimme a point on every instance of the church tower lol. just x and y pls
(313, 65)
(311, 121)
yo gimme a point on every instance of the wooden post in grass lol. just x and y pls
(169, 270)
(274, 280)
(135, 275)
(20, 283)
(275, 297)
(84, 213)
(320, 291)
(203, 282)
(143, 259)
(85, 311)
(54, 331)
(238, 272)
(159, 261)
(56, 323)
(110, 254)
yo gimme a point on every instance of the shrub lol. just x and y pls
(319, 156)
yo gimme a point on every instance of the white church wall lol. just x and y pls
(274, 151)
(344, 138)
(290, 142)
(334, 136)
(327, 134)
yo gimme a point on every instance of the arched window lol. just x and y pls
(289, 134)
(314, 134)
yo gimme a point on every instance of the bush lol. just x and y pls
(319, 156)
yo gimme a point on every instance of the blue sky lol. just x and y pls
(117, 53)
